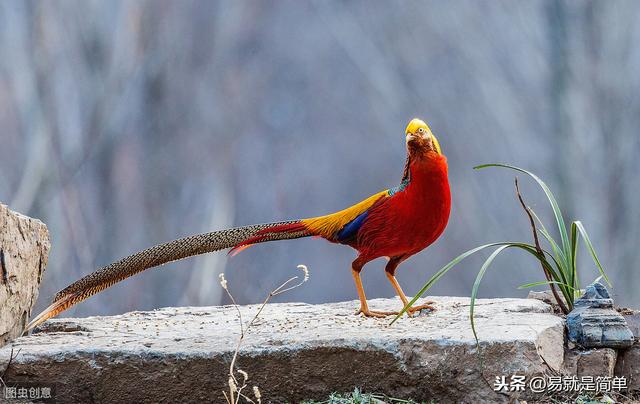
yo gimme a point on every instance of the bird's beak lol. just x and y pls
(411, 137)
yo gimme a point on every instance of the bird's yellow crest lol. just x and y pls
(416, 124)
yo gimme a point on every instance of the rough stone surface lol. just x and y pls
(545, 296)
(294, 352)
(593, 362)
(24, 250)
(593, 322)
(633, 322)
(628, 365)
(595, 295)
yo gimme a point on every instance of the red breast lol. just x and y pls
(410, 220)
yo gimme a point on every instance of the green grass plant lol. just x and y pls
(558, 261)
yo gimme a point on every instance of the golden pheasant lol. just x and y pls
(395, 223)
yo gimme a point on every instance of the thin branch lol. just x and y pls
(242, 334)
(539, 250)
(11, 356)
(234, 386)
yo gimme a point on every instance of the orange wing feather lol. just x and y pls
(329, 225)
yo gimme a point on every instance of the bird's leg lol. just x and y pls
(404, 299)
(390, 270)
(356, 267)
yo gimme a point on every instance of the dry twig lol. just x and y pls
(540, 251)
(235, 386)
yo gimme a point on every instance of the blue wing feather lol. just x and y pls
(351, 229)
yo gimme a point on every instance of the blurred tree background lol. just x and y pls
(128, 123)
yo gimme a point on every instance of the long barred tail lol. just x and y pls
(236, 238)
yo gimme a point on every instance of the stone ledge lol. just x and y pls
(295, 351)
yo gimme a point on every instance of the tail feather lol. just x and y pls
(161, 254)
(278, 232)
(52, 310)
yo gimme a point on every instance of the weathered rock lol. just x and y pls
(545, 296)
(633, 322)
(294, 351)
(593, 322)
(593, 362)
(24, 250)
(628, 366)
(595, 295)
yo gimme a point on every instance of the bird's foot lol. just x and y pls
(417, 309)
(377, 314)
(411, 311)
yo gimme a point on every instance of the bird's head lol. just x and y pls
(420, 140)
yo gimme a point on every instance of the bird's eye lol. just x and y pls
(421, 130)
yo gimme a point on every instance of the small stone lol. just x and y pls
(597, 362)
(628, 366)
(593, 322)
(633, 322)
(593, 362)
(595, 295)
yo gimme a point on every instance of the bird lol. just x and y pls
(395, 223)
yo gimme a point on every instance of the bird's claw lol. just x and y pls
(410, 311)
(417, 309)
(377, 314)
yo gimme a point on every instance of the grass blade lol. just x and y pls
(476, 285)
(440, 274)
(574, 255)
(562, 228)
(559, 254)
(524, 246)
(592, 251)
(541, 283)
(556, 275)
(483, 270)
